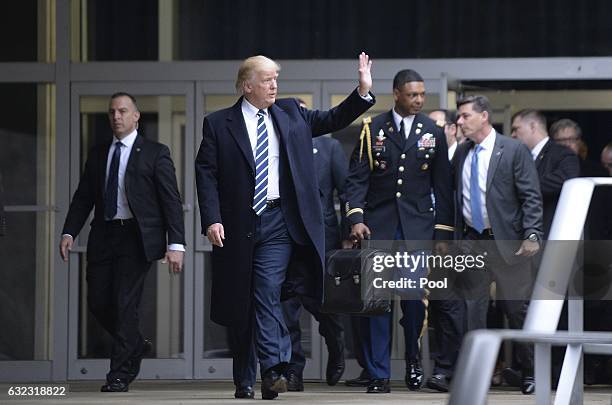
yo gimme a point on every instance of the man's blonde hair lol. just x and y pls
(250, 66)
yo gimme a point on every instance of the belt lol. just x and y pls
(485, 232)
(273, 203)
(121, 222)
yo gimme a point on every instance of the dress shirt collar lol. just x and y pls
(538, 148)
(128, 140)
(489, 142)
(398, 120)
(249, 109)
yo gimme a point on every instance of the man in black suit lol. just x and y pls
(260, 208)
(498, 211)
(331, 165)
(555, 163)
(389, 189)
(138, 218)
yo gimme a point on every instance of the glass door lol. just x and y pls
(167, 116)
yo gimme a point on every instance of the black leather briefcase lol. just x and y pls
(348, 284)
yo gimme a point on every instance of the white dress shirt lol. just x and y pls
(408, 120)
(451, 151)
(484, 157)
(249, 112)
(538, 148)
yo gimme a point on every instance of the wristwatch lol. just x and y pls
(533, 237)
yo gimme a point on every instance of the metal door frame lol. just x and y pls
(180, 368)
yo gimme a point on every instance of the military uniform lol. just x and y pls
(391, 181)
(392, 184)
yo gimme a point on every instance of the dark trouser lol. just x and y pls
(267, 338)
(513, 281)
(376, 334)
(330, 328)
(448, 322)
(358, 346)
(115, 279)
(447, 316)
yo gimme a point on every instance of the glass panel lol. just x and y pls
(119, 30)
(24, 290)
(27, 31)
(161, 316)
(26, 163)
(26, 125)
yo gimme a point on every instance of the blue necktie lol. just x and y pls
(477, 219)
(112, 184)
(261, 165)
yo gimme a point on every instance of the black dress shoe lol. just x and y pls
(512, 377)
(414, 376)
(438, 382)
(379, 386)
(116, 385)
(362, 381)
(272, 383)
(528, 385)
(134, 369)
(244, 392)
(295, 383)
(335, 369)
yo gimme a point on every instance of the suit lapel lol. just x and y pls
(462, 152)
(540, 157)
(133, 159)
(237, 128)
(496, 155)
(102, 161)
(281, 123)
(392, 132)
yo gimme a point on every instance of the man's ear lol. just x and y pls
(395, 94)
(247, 88)
(485, 115)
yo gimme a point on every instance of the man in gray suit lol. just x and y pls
(499, 211)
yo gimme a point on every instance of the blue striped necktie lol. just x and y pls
(261, 165)
(477, 219)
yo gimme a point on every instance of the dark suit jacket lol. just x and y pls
(513, 198)
(225, 175)
(555, 165)
(152, 194)
(399, 188)
(331, 165)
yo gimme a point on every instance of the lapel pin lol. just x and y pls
(137, 149)
(390, 129)
(419, 124)
(418, 131)
(314, 150)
